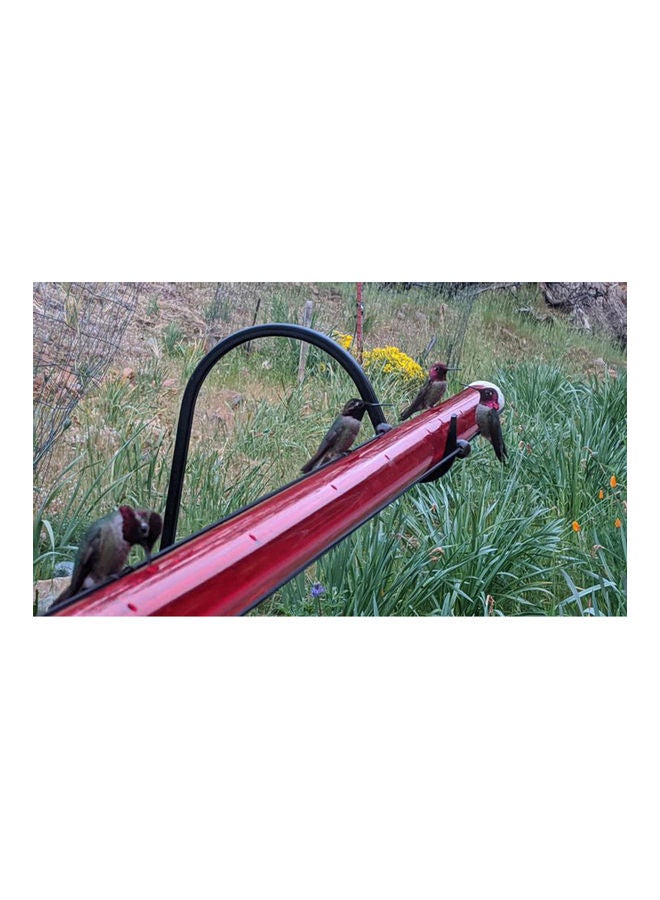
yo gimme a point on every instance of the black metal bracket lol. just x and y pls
(184, 427)
(454, 449)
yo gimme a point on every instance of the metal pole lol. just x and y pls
(184, 427)
(360, 310)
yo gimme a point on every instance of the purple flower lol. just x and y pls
(317, 589)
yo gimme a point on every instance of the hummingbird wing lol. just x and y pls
(496, 438)
(417, 402)
(86, 560)
(326, 444)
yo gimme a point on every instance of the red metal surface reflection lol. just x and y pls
(229, 568)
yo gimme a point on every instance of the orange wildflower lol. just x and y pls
(613, 481)
(600, 494)
(617, 523)
(576, 526)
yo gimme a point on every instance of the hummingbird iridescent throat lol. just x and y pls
(432, 391)
(107, 543)
(340, 436)
(488, 420)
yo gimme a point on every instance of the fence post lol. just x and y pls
(304, 346)
(359, 322)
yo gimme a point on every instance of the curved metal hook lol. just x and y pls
(184, 427)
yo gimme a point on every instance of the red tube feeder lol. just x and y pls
(230, 567)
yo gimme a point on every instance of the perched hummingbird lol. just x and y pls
(340, 436)
(432, 391)
(488, 420)
(107, 543)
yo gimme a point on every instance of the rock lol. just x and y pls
(46, 592)
(593, 305)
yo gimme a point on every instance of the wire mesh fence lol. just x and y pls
(232, 305)
(77, 328)
(452, 303)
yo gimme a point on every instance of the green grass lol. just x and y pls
(484, 540)
(506, 533)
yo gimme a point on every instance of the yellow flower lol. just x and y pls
(345, 340)
(395, 361)
(576, 526)
(600, 494)
(617, 523)
(613, 481)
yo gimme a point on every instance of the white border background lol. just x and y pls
(311, 758)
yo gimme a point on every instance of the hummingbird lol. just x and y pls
(107, 543)
(340, 436)
(488, 420)
(432, 391)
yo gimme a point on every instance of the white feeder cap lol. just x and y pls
(489, 384)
